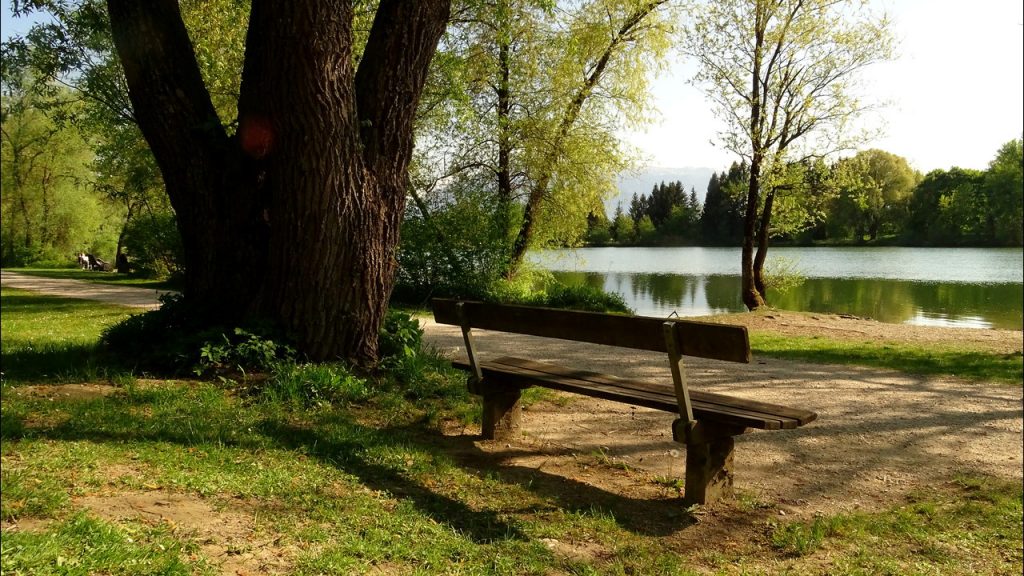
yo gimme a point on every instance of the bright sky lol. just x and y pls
(956, 91)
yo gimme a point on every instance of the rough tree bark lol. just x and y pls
(296, 217)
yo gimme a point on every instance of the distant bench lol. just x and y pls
(707, 422)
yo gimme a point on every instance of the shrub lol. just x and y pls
(153, 246)
(179, 338)
(401, 337)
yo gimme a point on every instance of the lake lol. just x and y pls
(963, 287)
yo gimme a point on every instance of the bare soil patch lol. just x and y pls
(879, 435)
(229, 539)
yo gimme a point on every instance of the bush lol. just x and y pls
(153, 246)
(540, 288)
(179, 338)
(245, 352)
(401, 336)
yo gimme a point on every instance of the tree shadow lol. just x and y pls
(338, 441)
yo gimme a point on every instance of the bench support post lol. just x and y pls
(709, 471)
(502, 412)
(709, 459)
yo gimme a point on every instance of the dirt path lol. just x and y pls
(879, 433)
(122, 295)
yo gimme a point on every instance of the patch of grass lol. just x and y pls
(978, 365)
(83, 545)
(98, 277)
(972, 525)
(46, 338)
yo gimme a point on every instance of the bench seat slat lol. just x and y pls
(504, 374)
(801, 417)
(725, 409)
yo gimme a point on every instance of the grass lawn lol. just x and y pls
(97, 277)
(117, 475)
(932, 359)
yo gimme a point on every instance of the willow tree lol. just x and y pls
(545, 87)
(783, 76)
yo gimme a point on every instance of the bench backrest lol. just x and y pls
(701, 339)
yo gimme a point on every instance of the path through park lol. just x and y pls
(880, 433)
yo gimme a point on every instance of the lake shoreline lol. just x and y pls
(845, 327)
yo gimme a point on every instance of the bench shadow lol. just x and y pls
(645, 516)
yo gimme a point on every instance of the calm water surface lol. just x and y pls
(967, 287)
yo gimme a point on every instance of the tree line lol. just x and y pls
(872, 197)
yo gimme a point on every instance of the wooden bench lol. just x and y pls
(707, 422)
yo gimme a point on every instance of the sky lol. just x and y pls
(954, 94)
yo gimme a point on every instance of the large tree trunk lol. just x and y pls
(296, 218)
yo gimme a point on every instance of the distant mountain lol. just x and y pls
(645, 180)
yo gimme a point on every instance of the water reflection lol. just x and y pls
(994, 305)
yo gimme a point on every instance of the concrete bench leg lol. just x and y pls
(501, 413)
(709, 471)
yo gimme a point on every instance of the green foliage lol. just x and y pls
(153, 246)
(782, 274)
(515, 112)
(401, 337)
(539, 288)
(874, 190)
(180, 338)
(242, 352)
(453, 247)
(1004, 190)
(47, 212)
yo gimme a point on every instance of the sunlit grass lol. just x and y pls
(979, 365)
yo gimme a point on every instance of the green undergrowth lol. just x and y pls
(978, 365)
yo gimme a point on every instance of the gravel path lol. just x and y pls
(122, 295)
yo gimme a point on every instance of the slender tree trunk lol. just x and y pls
(762, 244)
(752, 297)
(296, 218)
(504, 112)
(569, 116)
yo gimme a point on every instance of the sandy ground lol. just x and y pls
(879, 433)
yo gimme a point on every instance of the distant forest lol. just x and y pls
(873, 197)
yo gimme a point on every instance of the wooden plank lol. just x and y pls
(716, 407)
(501, 374)
(800, 416)
(701, 339)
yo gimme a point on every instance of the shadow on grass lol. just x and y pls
(62, 363)
(336, 440)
